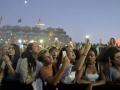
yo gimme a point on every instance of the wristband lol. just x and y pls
(94, 81)
(84, 54)
(8, 65)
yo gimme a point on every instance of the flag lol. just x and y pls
(1, 20)
(19, 19)
(39, 21)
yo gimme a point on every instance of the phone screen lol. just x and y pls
(64, 53)
(97, 48)
(21, 46)
(80, 47)
(56, 39)
(87, 39)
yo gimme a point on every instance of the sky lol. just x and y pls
(100, 19)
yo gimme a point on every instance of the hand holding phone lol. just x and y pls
(64, 53)
(80, 46)
(71, 43)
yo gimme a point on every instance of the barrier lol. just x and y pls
(16, 85)
(83, 87)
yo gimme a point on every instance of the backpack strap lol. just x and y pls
(44, 87)
(53, 70)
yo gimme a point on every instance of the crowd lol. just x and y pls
(37, 68)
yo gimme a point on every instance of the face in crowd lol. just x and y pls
(115, 57)
(70, 54)
(5, 50)
(91, 57)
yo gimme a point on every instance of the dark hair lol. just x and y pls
(113, 40)
(59, 58)
(94, 50)
(112, 56)
(23, 55)
(15, 59)
(25, 44)
(77, 53)
(105, 57)
(52, 48)
(30, 60)
(102, 52)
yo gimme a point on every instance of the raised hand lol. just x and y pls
(65, 61)
(51, 34)
(87, 47)
(6, 59)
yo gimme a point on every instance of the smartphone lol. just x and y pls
(21, 46)
(56, 39)
(87, 38)
(71, 44)
(97, 48)
(64, 53)
(80, 46)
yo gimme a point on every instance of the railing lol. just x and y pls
(16, 85)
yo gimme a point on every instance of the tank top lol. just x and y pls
(91, 77)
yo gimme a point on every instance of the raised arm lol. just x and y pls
(54, 80)
(7, 61)
(81, 61)
(47, 41)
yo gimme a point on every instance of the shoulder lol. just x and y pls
(44, 68)
(110, 70)
(24, 61)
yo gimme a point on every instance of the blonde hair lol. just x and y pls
(5, 45)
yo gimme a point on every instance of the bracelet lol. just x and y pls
(84, 54)
(8, 65)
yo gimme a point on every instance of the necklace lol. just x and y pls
(91, 65)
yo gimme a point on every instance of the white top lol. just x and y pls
(91, 77)
(9, 74)
(18, 64)
(68, 77)
(23, 70)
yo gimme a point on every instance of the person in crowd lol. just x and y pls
(54, 52)
(0, 58)
(77, 54)
(113, 73)
(111, 43)
(9, 63)
(5, 48)
(68, 76)
(24, 47)
(30, 66)
(101, 53)
(91, 72)
(105, 59)
(49, 72)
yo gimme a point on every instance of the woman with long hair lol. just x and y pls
(10, 62)
(30, 67)
(91, 72)
(105, 59)
(68, 76)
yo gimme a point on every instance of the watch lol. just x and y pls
(8, 65)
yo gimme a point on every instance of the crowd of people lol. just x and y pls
(45, 68)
